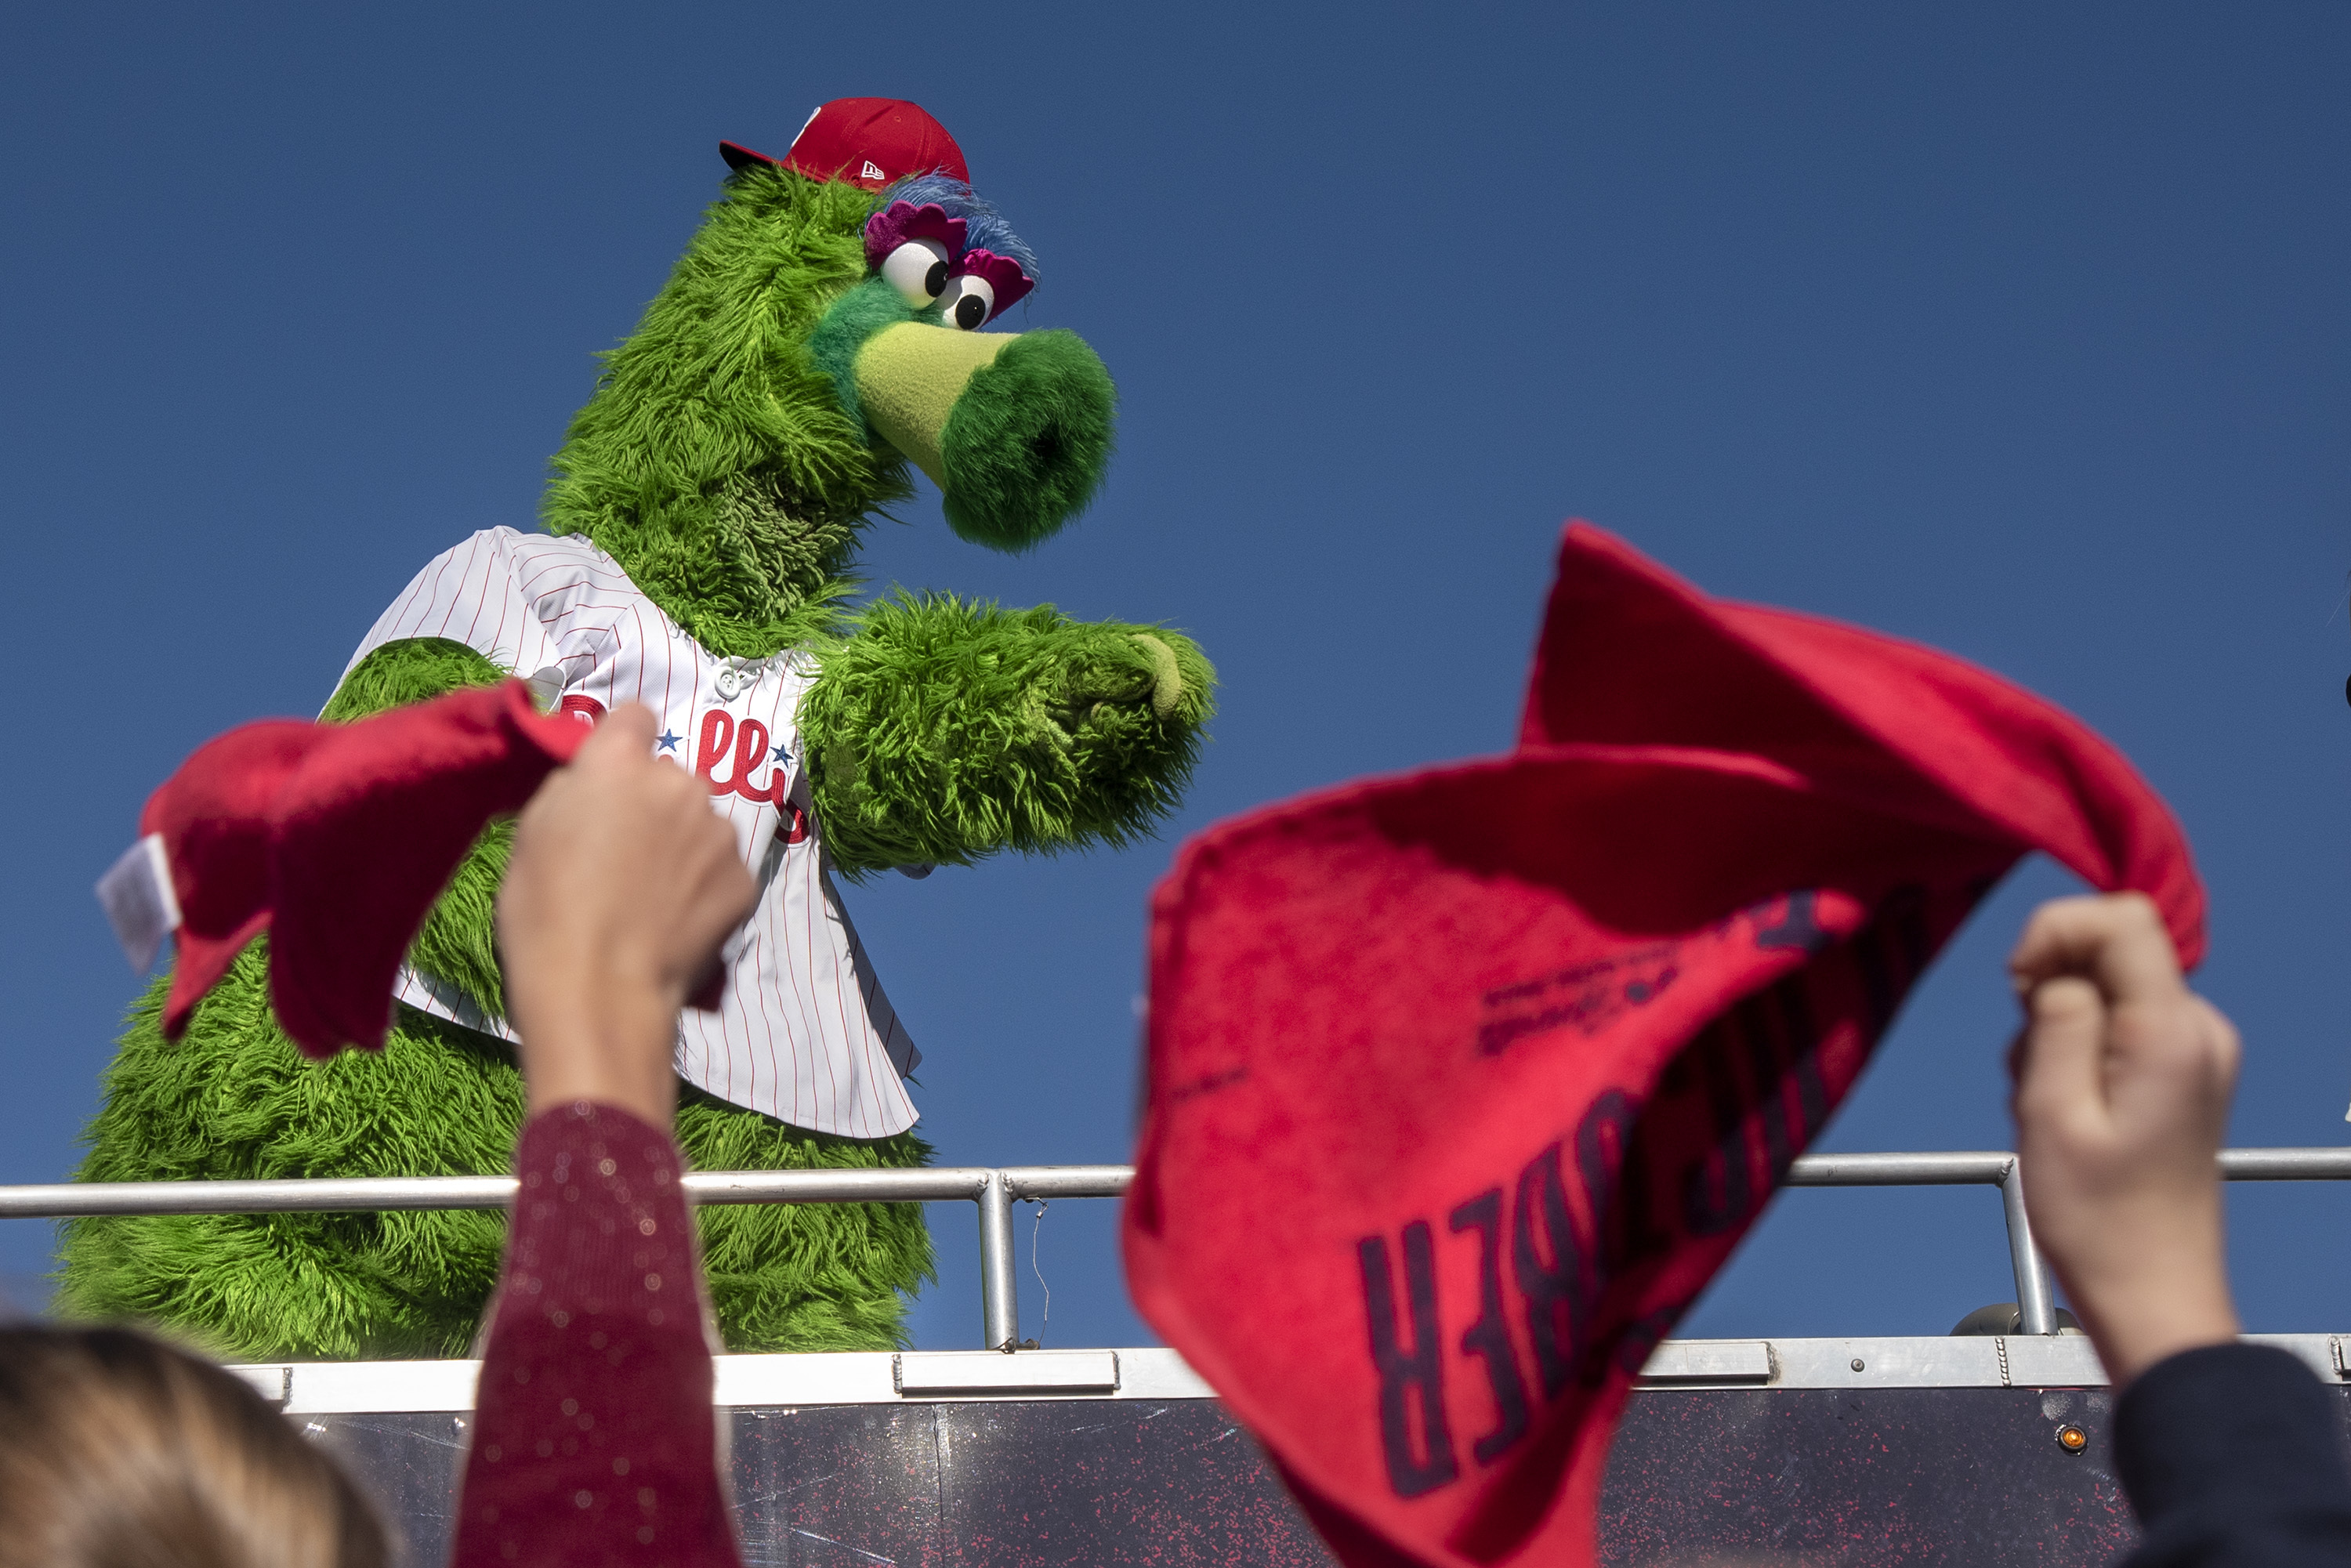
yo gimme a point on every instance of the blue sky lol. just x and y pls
(2020, 331)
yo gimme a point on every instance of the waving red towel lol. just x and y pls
(1463, 1083)
(335, 839)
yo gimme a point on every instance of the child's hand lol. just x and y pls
(2123, 1080)
(623, 887)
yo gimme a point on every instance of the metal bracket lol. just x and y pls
(275, 1384)
(1680, 1362)
(945, 1372)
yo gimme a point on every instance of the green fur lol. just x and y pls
(946, 730)
(854, 317)
(235, 1099)
(815, 1276)
(1028, 441)
(410, 671)
(723, 463)
(715, 461)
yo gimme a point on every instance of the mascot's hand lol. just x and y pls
(945, 730)
(1146, 681)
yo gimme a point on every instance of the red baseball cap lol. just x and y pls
(867, 141)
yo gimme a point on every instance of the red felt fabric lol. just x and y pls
(1462, 1083)
(336, 839)
(593, 1438)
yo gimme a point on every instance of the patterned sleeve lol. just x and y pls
(594, 1439)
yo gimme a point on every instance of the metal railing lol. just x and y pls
(2036, 1304)
(995, 1189)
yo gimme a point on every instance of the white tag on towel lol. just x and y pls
(139, 901)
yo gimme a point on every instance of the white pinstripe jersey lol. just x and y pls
(805, 1034)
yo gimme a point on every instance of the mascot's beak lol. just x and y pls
(1014, 427)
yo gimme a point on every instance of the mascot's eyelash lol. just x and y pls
(900, 221)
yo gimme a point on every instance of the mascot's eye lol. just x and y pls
(917, 269)
(967, 302)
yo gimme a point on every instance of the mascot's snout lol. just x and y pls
(1014, 428)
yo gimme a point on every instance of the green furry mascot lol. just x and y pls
(818, 336)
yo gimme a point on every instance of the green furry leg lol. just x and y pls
(234, 1099)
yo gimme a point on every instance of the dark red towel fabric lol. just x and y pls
(336, 839)
(1462, 1083)
(593, 1439)
(1632, 655)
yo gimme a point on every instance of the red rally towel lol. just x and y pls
(1463, 1083)
(333, 838)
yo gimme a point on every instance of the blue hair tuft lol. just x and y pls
(984, 228)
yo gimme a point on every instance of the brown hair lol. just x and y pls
(117, 1451)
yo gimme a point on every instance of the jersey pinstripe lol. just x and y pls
(804, 1033)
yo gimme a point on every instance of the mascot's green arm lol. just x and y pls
(458, 942)
(942, 730)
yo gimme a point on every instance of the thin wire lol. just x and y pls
(1041, 1207)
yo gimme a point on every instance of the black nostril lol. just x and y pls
(1046, 445)
(970, 311)
(935, 280)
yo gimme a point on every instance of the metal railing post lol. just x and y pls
(999, 1299)
(2035, 1312)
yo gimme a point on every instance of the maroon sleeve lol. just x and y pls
(594, 1440)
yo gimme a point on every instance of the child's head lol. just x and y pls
(117, 1451)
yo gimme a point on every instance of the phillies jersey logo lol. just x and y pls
(744, 748)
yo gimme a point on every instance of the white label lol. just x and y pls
(136, 893)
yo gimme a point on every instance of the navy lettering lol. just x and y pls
(1489, 1338)
(1764, 1056)
(1608, 1149)
(1717, 1191)
(1804, 1041)
(1891, 952)
(1554, 1278)
(1798, 928)
(1408, 1378)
